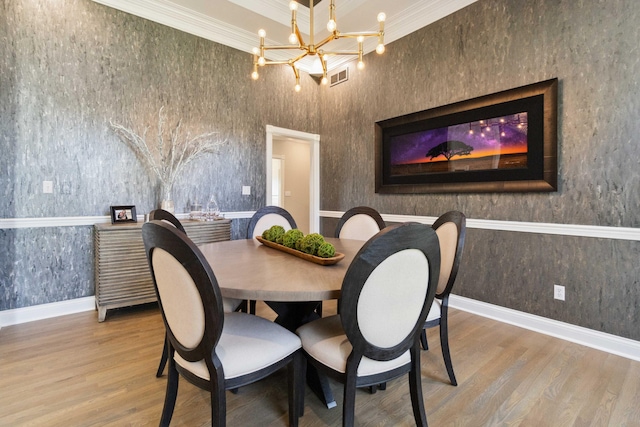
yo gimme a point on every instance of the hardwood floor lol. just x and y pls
(74, 371)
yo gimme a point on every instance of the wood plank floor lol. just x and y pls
(74, 371)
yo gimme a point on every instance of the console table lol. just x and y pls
(122, 276)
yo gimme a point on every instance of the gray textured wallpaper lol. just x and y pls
(492, 46)
(66, 70)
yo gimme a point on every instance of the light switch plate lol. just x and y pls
(47, 187)
(246, 190)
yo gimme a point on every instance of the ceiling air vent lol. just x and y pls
(339, 77)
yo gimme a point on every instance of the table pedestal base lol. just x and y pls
(292, 315)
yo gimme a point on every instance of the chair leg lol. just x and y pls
(218, 398)
(376, 387)
(415, 388)
(349, 401)
(163, 358)
(170, 395)
(423, 340)
(252, 307)
(302, 380)
(444, 343)
(295, 391)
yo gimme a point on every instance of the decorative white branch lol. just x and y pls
(168, 158)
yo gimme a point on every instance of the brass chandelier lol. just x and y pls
(311, 48)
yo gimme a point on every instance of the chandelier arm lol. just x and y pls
(298, 58)
(329, 38)
(276, 63)
(299, 36)
(356, 35)
(295, 71)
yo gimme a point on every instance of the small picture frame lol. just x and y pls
(123, 214)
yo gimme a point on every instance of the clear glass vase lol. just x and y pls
(167, 202)
(213, 210)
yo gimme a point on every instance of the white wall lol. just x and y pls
(297, 165)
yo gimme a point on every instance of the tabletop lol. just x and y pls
(246, 269)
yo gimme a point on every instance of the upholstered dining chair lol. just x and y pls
(229, 304)
(359, 223)
(451, 230)
(162, 215)
(386, 294)
(268, 216)
(262, 219)
(210, 348)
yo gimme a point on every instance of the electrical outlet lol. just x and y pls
(246, 190)
(558, 292)
(47, 187)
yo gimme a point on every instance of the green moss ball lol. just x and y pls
(309, 244)
(326, 250)
(290, 238)
(274, 232)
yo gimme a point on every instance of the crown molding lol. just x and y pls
(398, 24)
(184, 19)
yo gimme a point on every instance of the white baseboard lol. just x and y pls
(588, 337)
(46, 311)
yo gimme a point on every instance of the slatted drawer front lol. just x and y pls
(122, 276)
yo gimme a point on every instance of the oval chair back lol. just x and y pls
(359, 223)
(269, 216)
(162, 215)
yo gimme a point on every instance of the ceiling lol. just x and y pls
(235, 23)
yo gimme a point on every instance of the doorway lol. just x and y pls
(277, 180)
(311, 144)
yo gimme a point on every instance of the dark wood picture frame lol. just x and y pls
(525, 117)
(123, 214)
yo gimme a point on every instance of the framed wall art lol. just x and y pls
(503, 142)
(123, 214)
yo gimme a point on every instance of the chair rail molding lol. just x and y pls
(616, 233)
(78, 221)
(597, 231)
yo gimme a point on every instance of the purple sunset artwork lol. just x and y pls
(494, 143)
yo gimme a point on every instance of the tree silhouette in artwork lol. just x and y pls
(449, 149)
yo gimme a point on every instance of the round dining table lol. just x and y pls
(291, 286)
(247, 269)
